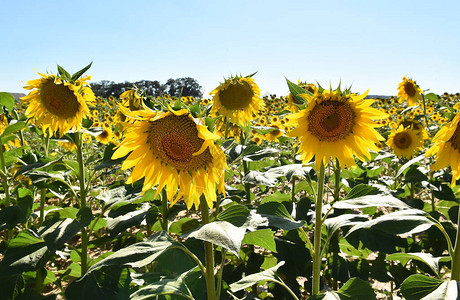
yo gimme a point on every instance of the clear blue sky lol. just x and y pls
(369, 44)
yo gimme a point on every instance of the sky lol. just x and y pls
(369, 45)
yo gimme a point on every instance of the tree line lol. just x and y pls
(173, 87)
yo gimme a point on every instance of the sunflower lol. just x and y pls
(58, 105)
(171, 149)
(237, 99)
(446, 147)
(131, 99)
(106, 135)
(409, 90)
(336, 125)
(405, 140)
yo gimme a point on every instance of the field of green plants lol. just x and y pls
(319, 194)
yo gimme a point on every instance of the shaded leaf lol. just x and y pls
(427, 258)
(409, 163)
(417, 286)
(362, 190)
(249, 280)
(236, 214)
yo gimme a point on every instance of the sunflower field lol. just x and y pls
(319, 194)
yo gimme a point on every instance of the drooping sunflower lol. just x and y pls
(56, 104)
(409, 91)
(237, 99)
(336, 125)
(405, 140)
(170, 149)
(446, 147)
(131, 99)
(106, 135)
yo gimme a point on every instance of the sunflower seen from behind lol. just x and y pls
(237, 99)
(335, 124)
(409, 91)
(59, 103)
(446, 148)
(171, 150)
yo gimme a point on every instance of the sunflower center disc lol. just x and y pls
(331, 120)
(59, 100)
(402, 140)
(236, 96)
(174, 139)
(409, 89)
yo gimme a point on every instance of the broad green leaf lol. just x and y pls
(408, 221)
(184, 225)
(259, 178)
(264, 238)
(117, 195)
(13, 127)
(371, 201)
(357, 289)
(409, 163)
(7, 100)
(235, 214)
(19, 213)
(59, 232)
(24, 253)
(139, 254)
(417, 286)
(362, 190)
(326, 296)
(249, 280)
(121, 223)
(261, 154)
(447, 290)
(174, 286)
(332, 224)
(105, 284)
(296, 91)
(222, 234)
(290, 170)
(272, 214)
(61, 213)
(427, 258)
(277, 197)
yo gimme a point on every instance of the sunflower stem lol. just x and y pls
(82, 181)
(456, 255)
(293, 189)
(164, 210)
(247, 186)
(4, 177)
(337, 180)
(43, 191)
(209, 253)
(424, 111)
(317, 236)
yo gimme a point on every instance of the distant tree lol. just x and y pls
(172, 87)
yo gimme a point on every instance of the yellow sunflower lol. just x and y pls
(131, 99)
(171, 149)
(237, 99)
(336, 125)
(57, 105)
(446, 147)
(405, 141)
(106, 135)
(409, 91)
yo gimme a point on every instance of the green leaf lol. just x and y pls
(409, 163)
(110, 283)
(139, 254)
(249, 280)
(58, 233)
(7, 100)
(236, 214)
(121, 223)
(25, 253)
(362, 190)
(371, 201)
(408, 221)
(296, 91)
(290, 170)
(260, 154)
(63, 73)
(332, 224)
(118, 195)
(13, 127)
(427, 258)
(81, 72)
(273, 214)
(174, 286)
(19, 213)
(264, 238)
(222, 234)
(418, 286)
(259, 178)
(183, 225)
(357, 289)
(432, 97)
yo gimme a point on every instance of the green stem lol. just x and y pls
(209, 253)
(42, 206)
(82, 181)
(337, 180)
(424, 111)
(317, 238)
(456, 254)
(219, 274)
(164, 210)
(247, 186)
(4, 177)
